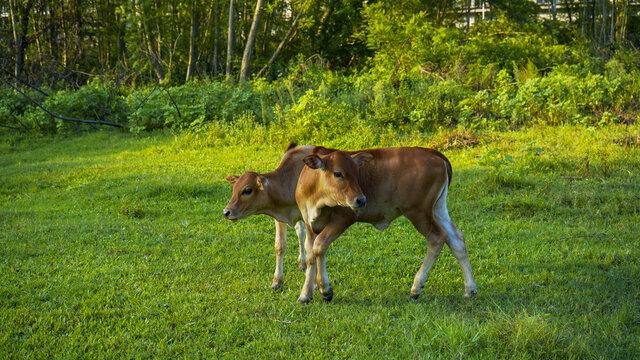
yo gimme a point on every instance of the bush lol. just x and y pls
(13, 106)
(94, 101)
(562, 97)
(197, 103)
(413, 46)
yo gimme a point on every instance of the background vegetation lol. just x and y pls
(376, 64)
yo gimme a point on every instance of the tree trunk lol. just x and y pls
(122, 48)
(193, 42)
(230, 39)
(327, 11)
(248, 49)
(265, 33)
(245, 20)
(603, 26)
(285, 39)
(216, 41)
(623, 27)
(40, 51)
(65, 36)
(100, 63)
(612, 37)
(52, 33)
(593, 20)
(14, 21)
(21, 41)
(78, 29)
(566, 5)
(154, 57)
(584, 18)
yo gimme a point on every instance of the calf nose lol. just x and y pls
(361, 201)
(226, 213)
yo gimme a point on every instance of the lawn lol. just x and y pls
(113, 246)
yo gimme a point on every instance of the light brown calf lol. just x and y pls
(272, 194)
(337, 189)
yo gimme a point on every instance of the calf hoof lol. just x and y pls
(328, 296)
(415, 292)
(471, 293)
(302, 265)
(303, 299)
(276, 284)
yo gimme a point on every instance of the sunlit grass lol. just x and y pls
(113, 245)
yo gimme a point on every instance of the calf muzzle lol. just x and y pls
(360, 202)
(227, 214)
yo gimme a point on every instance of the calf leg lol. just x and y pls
(435, 236)
(280, 247)
(320, 247)
(455, 241)
(307, 289)
(458, 246)
(302, 264)
(336, 226)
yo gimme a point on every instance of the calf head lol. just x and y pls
(248, 196)
(337, 177)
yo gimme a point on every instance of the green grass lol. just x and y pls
(113, 246)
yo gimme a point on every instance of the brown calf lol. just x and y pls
(272, 194)
(337, 189)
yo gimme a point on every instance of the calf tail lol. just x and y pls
(449, 169)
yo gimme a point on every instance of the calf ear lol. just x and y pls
(262, 182)
(361, 158)
(313, 161)
(231, 179)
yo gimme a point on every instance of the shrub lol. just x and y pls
(95, 101)
(197, 103)
(13, 106)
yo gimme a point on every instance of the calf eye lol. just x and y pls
(247, 191)
(337, 174)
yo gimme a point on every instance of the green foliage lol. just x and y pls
(405, 45)
(95, 101)
(419, 103)
(13, 107)
(197, 103)
(564, 96)
(499, 75)
(415, 46)
(511, 46)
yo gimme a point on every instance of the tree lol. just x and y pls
(230, 39)
(20, 28)
(152, 53)
(251, 40)
(613, 22)
(216, 41)
(193, 41)
(290, 34)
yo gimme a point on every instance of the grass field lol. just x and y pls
(113, 246)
